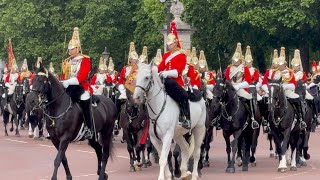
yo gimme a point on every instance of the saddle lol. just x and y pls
(194, 96)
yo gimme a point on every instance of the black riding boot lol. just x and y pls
(254, 122)
(314, 110)
(185, 116)
(86, 109)
(118, 103)
(298, 105)
(7, 100)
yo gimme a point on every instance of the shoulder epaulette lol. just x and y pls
(67, 59)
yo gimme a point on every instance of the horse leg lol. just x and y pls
(282, 157)
(170, 167)
(255, 137)
(176, 154)
(270, 146)
(98, 149)
(240, 151)
(11, 121)
(294, 143)
(184, 146)
(230, 167)
(166, 144)
(107, 145)
(234, 145)
(248, 142)
(5, 116)
(61, 147)
(16, 121)
(40, 126)
(149, 150)
(305, 148)
(130, 148)
(198, 133)
(157, 144)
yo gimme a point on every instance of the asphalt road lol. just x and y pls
(28, 159)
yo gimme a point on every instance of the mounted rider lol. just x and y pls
(25, 73)
(131, 66)
(207, 76)
(171, 67)
(272, 73)
(51, 70)
(11, 82)
(288, 84)
(191, 76)
(301, 76)
(112, 75)
(98, 80)
(76, 71)
(313, 87)
(158, 57)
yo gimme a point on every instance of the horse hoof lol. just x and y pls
(11, 129)
(187, 177)
(307, 156)
(230, 170)
(271, 155)
(254, 164)
(206, 164)
(31, 136)
(148, 163)
(239, 163)
(177, 173)
(17, 135)
(69, 177)
(282, 170)
(304, 164)
(6, 134)
(144, 165)
(245, 168)
(293, 168)
(132, 169)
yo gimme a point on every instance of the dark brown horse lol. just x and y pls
(64, 119)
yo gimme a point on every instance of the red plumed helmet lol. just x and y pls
(173, 36)
(314, 66)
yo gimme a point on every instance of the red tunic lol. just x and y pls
(210, 80)
(245, 76)
(254, 77)
(122, 75)
(83, 73)
(194, 76)
(178, 63)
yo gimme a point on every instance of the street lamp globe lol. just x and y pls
(105, 54)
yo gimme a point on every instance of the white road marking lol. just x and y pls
(91, 152)
(123, 157)
(86, 175)
(44, 145)
(16, 141)
(86, 151)
(297, 174)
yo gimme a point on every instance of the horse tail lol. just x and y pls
(191, 147)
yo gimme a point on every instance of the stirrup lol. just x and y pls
(88, 134)
(267, 130)
(218, 126)
(303, 125)
(186, 124)
(264, 122)
(254, 124)
(116, 129)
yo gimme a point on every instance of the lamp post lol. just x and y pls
(169, 3)
(105, 55)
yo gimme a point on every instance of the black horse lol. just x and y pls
(282, 121)
(134, 122)
(64, 119)
(303, 147)
(15, 109)
(255, 112)
(234, 120)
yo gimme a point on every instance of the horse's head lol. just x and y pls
(275, 91)
(223, 88)
(26, 86)
(19, 93)
(144, 81)
(300, 88)
(40, 84)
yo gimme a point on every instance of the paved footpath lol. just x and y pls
(27, 159)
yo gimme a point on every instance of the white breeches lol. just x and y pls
(290, 94)
(243, 93)
(85, 96)
(97, 89)
(308, 96)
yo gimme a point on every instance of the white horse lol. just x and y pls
(164, 115)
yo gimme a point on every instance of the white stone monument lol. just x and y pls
(184, 30)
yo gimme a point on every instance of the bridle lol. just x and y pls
(276, 104)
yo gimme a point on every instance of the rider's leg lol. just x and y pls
(298, 106)
(85, 103)
(177, 93)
